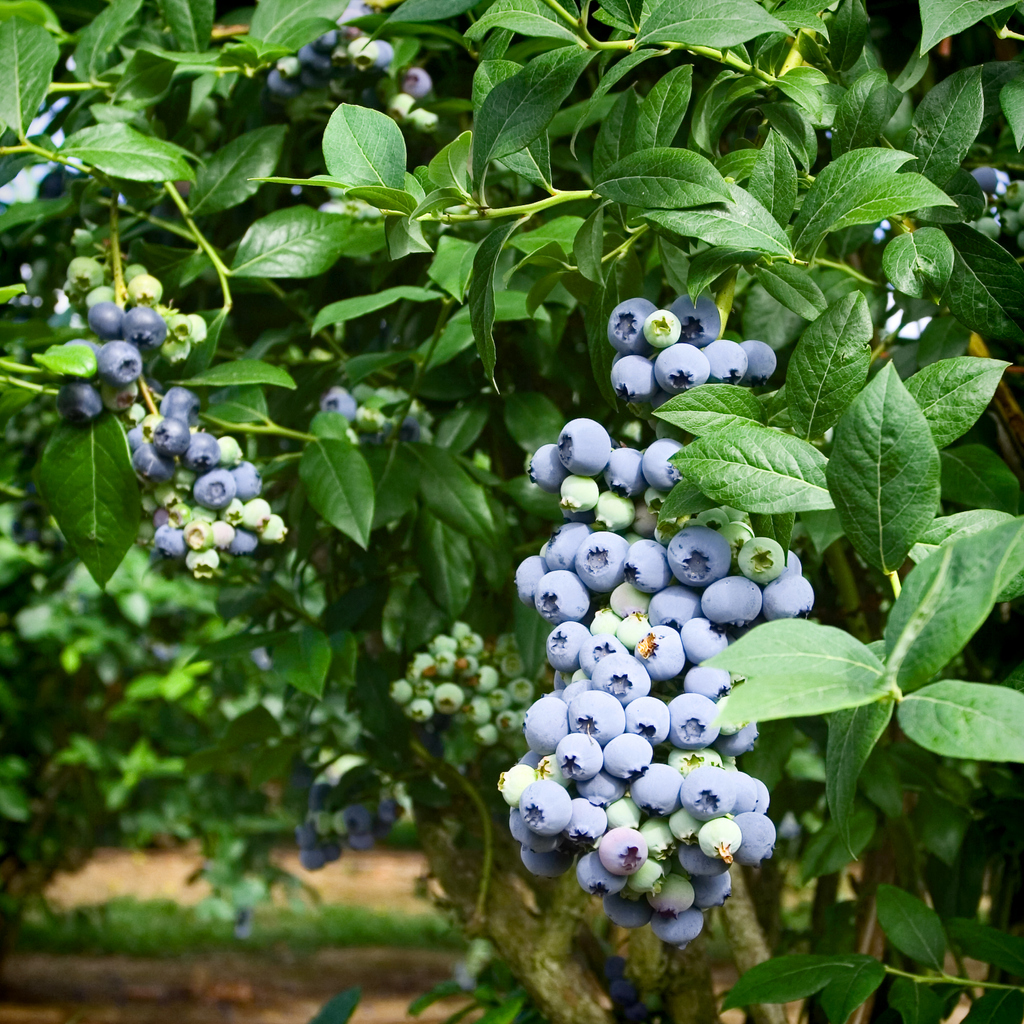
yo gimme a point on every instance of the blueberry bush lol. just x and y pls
(547, 405)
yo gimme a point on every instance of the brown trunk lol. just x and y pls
(681, 977)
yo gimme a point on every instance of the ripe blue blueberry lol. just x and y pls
(310, 56)
(657, 792)
(595, 878)
(170, 436)
(79, 402)
(633, 379)
(737, 743)
(746, 793)
(681, 367)
(628, 756)
(761, 363)
(727, 360)
(563, 546)
(135, 438)
(702, 639)
(180, 404)
(546, 807)
(698, 556)
(118, 363)
(658, 471)
(763, 797)
(545, 724)
(105, 320)
(525, 837)
(661, 652)
(623, 677)
(312, 860)
(602, 790)
(626, 326)
(597, 714)
(563, 646)
(416, 82)
(626, 913)
(733, 601)
(357, 818)
(243, 542)
(794, 567)
(214, 490)
(202, 454)
(788, 597)
(623, 851)
(547, 470)
(578, 756)
(758, 838)
(170, 542)
(587, 824)
(623, 992)
(692, 715)
(624, 474)
(711, 890)
(646, 567)
(151, 465)
(600, 561)
(695, 862)
(713, 683)
(546, 865)
(282, 88)
(708, 792)
(599, 646)
(673, 606)
(528, 575)
(700, 324)
(145, 327)
(987, 178)
(339, 400)
(584, 447)
(561, 596)
(678, 930)
(248, 482)
(305, 836)
(648, 717)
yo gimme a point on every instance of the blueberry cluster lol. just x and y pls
(372, 414)
(664, 352)
(463, 683)
(323, 835)
(1003, 215)
(622, 991)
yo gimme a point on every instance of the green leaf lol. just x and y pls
(351, 309)
(919, 260)
(73, 360)
(340, 486)
(617, 135)
(664, 107)
(452, 495)
(953, 393)
(517, 110)
(430, 10)
(826, 852)
(916, 1004)
(944, 338)
(945, 124)
(190, 21)
(243, 371)
(795, 668)
(792, 286)
(711, 407)
(756, 469)
(848, 31)
(28, 54)
(339, 1009)
(450, 168)
(363, 146)
(852, 735)
(796, 130)
(244, 404)
(978, 721)
(717, 23)
(989, 945)
(986, 289)
(710, 263)
(532, 420)
(911, 926)
(86, 477)
(120, 150)
(803, 85)
(1011, 100)
(884, 472)
(224, 181)
(683, 500)
(448, 569)
(863, 112)
(452, 265)
(1006, 1007)
(960, 524)
(100, 36)
(9, 291)
(773, 179)
(527, 17)
(720, 103)
(860, 187)
(843, 994)
(663, 178)
(293, 23)
(481, 295)
(966, 194)
(976, 476)
(303, 660)
(784, 979)
(942, 18)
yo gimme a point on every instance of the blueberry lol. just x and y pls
(661, 652)
(698, 556)
(545, 724)
(525, 837)
(713, 683)
(170, 542)
(79, 402)
(202, 454)
(243, 543)
(578, 756)
(763, 797)
(632, 379)
(547, 470)
(587, 824)
(563, 646)
(622, 992)
(326, 43)
(788, 597)
(720, 838)
(628, 756)
(170, 436)
(738, 742)
(528, 575)
(597, 714)
(987, 178)
(546, 865)
(700, 324)
(595, 878)
(648, 717)
(339, 400)
(546, 807)
(561, 596)
(361, 841)
(600, 561)
(733, 601)
(673, 606)
(385, 54)
(758, 838)
(657, 792)
(624, 475)
(410, 430)
(681, 367)
(305, 836)
(145, 327)
(646, 567)
(711, 890)
(563, 546)
(762, 560)
(692, 715)
(623, 677)
(602, 789)
(794, 567)
(315, 59)
(679, 930)
(676, 896)
(180, 404)
(584, 447)
(214, 490)
(105, 319)
(727, 360)
(761, 362)
(697, 863)
(658, 471)
(626, 913)
(615, 967)
(151, 465)
(746, 794)
(623, 851)
(702, 639)
(282, 88)
(135, 438)
(416, 83)
(248, 482)
(626, 326)
(708, 792)
(599, 646)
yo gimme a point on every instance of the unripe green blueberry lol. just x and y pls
(274, 531)
(521, 691)
(762, 560)
(623, 813)
(632, 629)
(460, 630)
(363, 53)
(198, 333)
(645, 522)
(444, 662)
(735, 515)
(176, 350)
(578, 675)
(511, 664)
(737, 534)
(720, 838)
(423, 120)
(684, 826)
(420, 710)
(145, 290)
(479, 711)
(178, 326)
(662, 328)
(185, 478)
(400, 105)
(1014, 197)
(449, 698)
(660, 840)
(468, 666)
(422, 664)
(654, 499)
(202, 563)
(82, 238)
(132, 271)
(547, 768)
(716, 518)
(443, 642)
(1011, 222)
(136, 414)
(166, 495)
(181, 514)
(511, 783)
(145, 533)
(666, 530)
(627, 600)
(605, 621)
(85, 273)
(423, 688)
(509, 720)
(684, 761)
(488, 679)
(230, 451)
(104, 293)
(579, 493)
(486, 735)
(255, 514)
(206, 515)
(223, 534)
(614, 512)
(648, 878)
(149, 424)
(199, 535)
(472, 645)
(499, 699)
(233, 513)
(148, 502)
(401, 691)
(118, 399)
(676, 892)
(288, 67)
(988, 226)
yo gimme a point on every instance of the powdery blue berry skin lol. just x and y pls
(587, 824)
(761, 363)
(711, 890)
(701, 322)
(624, 473)
(243, 543)
(758, 838)
(626, 913)
(633, 380)
(214, 490)
(339, 400)
(79, 402)
(674, 606)
(584, 447)
(623, 851)
(312, 860)
(578, 756)
(416, 82)
(623, 677)
(763, 797)
(602, 790)
(746, 793)
(681, 367)
(713, 683)
(546, 807)
(118, 363)
(545, 724)
(563, 646)
(595, 878)
(648, 717)
(708, 793)
(181, 404)
(597, 647)
(987, 178)
(574, 690)
(597, 714)
(733, 601)
(170, 542)
(522, 835)
(626, 326)
(628, 756)
(145, 327)
(546, 865)
(171, 437)
(702, 639)
(105, 320)
(248, 482)
(151, 465)
(564, 545)
(601, 561)
(282, 88)
(741, 742)
(698, 556)
(385, 54)
(658, 471)
(696, 862)
(561, 596)
(678, 930)
(661, 653)
(547, 470)
(691, 717)
(727, 360)
(646, 566)
(202, 454)
(657, 792)
(788, 597)
(528, 575)
(134, 438)
(794, 567)
(622, 992)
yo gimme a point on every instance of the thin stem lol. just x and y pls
(725, 58)
(159, 222)
(11, 150)
(1008, 33)
(26, 385)
(527, 210)
(847, 269)
(256, 428)
(948, 979)
(897, 586)
(74, 86)
(14, 492)
(147, 397)
(203, 243)
(10, 364)
(621, 250)
(116, 266)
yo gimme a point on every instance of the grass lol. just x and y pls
(165, 928)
